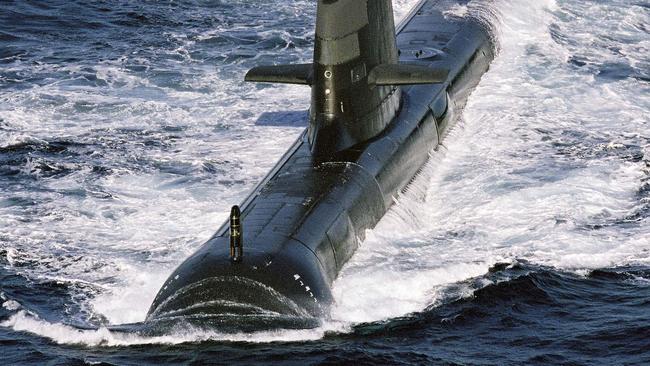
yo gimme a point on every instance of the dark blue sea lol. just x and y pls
(127, 132)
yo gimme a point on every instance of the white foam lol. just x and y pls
(23, 321)
(490, 199)
(457, 10)
(494, 193)
(11, 305)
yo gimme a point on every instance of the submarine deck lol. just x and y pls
(307, 217)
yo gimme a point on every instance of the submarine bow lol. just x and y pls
(382, 99)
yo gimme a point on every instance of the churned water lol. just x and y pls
(126, 133)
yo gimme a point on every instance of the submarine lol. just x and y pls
(382, 98)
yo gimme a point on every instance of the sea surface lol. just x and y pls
(127, 132)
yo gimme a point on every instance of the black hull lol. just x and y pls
(306, 219)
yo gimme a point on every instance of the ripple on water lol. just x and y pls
(126, 133)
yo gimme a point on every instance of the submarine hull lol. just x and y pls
(307, 217)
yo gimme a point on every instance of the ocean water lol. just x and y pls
(126, 133)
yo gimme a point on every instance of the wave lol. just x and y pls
(548, 166)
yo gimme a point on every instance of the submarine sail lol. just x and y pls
(382, 99)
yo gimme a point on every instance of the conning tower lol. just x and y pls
(354, 75)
